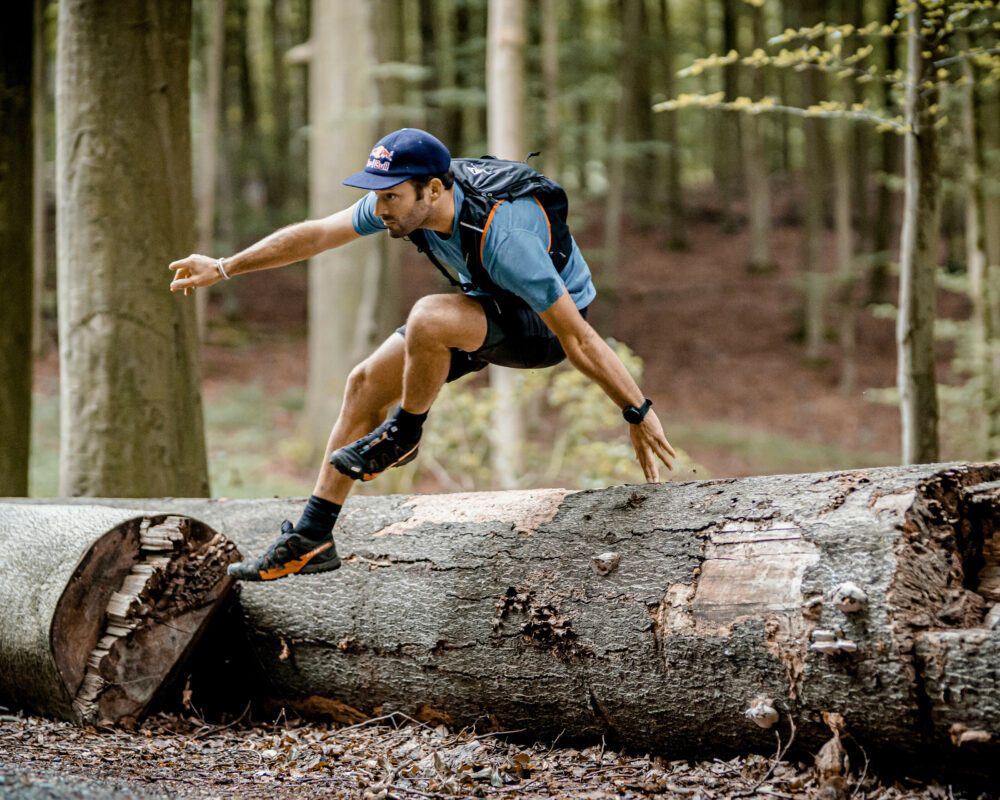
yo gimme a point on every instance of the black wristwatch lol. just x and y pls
(633, 415)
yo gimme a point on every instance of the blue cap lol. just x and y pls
(399, 156)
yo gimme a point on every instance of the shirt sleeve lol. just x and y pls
(363, 216)
(516, 256)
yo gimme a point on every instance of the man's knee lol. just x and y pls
(447, 319)
(429, 315)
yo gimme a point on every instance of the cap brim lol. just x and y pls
(368, 180)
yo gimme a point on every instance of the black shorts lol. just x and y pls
(515, 337)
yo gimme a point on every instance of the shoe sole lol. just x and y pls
(345, 466)
(305, 564)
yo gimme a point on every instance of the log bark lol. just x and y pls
(100, 605)
(655, 615)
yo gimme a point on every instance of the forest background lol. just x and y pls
(757, 186)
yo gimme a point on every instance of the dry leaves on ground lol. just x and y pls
(391, 757)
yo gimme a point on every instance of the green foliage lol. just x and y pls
(576, 437)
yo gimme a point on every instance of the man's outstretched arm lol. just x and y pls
(590, 354)
(285, 246)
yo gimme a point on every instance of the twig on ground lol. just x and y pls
(778, 756)
(219, 728)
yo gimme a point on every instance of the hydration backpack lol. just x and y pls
(487, 182)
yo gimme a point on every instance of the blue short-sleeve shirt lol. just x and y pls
(515, 252)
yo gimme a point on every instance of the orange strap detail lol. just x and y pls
(547, 223)
(486, 227)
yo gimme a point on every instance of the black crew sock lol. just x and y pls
(318, 518)
(409, 424)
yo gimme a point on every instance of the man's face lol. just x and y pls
(401, 210)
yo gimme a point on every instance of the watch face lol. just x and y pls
(632, 415)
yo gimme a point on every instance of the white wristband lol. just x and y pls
(222, 269)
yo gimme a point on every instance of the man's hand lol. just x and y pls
(193, 272)
(650, 443)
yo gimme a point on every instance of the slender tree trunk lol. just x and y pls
(918, 256)
(129, 355)
(672, 191)
(624, 128)
(39, 194)
(756, 166)
(16, 246)
(341, 136)
(727, 127)
(444, 61)
(981, 287)
(505, 102)
(550, 72)
(207, 150)
(842, 156)
(884, 216)
(815, 177)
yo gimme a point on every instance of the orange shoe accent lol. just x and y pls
(369, 475)
(294, 566)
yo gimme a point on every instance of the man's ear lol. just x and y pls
(436, 188)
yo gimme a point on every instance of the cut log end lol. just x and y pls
(135, 606)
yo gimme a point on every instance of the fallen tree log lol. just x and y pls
(100, 605)
(682, 618)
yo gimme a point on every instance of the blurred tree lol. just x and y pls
(918, 244)
(670, 194)
(342, 131)
(39, 213)
(884, 218)
(550, 70)
(727, 127)
(756, 161)
(206, 150)
(16, 245)
(129, 365)
(983, 287)
(505, 102)
(814, 173)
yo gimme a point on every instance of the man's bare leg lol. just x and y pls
(437, 323)
(374, 385)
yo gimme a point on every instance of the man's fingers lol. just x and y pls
(649, 465)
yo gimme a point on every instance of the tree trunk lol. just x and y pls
(39, 192)
(16, 248)
(816, 153)
(655, 615)
(505, 102)
(130, 371)
(981, 277)
(97, 619)
(756, 160)
(672, 194)
(341, 86)
(550, 73)
(207, 150)
(885, 201)
(918, 256)
(727, 126)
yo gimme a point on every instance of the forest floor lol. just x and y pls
(171, 756)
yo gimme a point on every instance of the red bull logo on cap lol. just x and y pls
(380, 158)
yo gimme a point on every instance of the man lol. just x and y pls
(531, 314)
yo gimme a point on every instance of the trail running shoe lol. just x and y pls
(291, 553)
(371, 455)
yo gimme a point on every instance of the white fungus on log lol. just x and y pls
(762, 712)
(849, 597)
